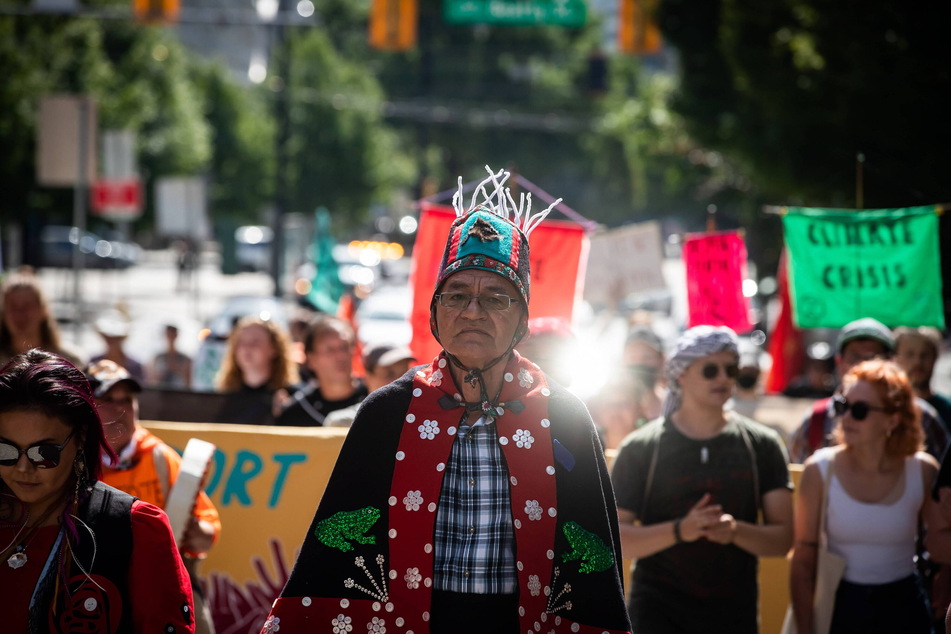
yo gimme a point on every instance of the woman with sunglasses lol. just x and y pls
(690, 487)
(75, 554)
(875, 500)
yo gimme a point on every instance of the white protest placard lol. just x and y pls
(623, 261)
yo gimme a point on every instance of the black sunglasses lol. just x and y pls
(42, 455)
(860, 409)
(712, 370)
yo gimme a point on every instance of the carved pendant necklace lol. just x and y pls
(18, 559)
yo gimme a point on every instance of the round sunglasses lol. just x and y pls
(859, 409)
(44, 455)
(711, 370)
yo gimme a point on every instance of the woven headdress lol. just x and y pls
(491, 234)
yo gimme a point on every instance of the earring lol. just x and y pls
(79, 469)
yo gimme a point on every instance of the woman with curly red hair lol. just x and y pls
(878, 481)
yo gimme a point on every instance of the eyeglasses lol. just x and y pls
(42, 455)
(711, 371)
(494, 302)
(114, 402)
(859, 409)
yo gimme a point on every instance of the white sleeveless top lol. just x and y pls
(877, 540)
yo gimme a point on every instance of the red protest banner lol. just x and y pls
(558, 252)
(785, 341)
(716, 268)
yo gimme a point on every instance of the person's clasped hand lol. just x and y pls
(700, 518)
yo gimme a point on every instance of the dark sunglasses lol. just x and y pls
(42, 455)
(711, 371)
(860, 409)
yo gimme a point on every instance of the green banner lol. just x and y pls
(570, 13)
(881, 263)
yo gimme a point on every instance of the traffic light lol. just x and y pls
(393, 24)
(156, 11)
(638, 32)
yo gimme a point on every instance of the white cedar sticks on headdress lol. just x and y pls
(501, 203)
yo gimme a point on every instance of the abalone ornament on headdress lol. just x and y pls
(492, 233)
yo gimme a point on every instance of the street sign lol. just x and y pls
(117, 199)
(181, 207)
(59, 137)
(570, 13)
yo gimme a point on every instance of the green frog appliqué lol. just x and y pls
(338, 530)
(594, 553)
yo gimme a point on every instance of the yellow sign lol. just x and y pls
(266, 483)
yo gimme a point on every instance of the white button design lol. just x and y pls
(90, 604)
(508, 377)
(411, 418)
(417, 392)
(550, 470)
(306, 601)
(400, 455)
(546, 423)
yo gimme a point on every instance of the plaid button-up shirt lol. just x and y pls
(474, 536)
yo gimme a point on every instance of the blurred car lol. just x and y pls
(214, 337)
(58, 241)
(384, 316)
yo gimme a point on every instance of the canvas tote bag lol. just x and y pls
(829, 567)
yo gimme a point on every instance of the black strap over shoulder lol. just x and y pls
(656, 429)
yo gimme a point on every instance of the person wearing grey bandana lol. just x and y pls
(702, 493)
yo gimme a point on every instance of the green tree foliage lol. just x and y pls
(641, 150)
(516, 97)
(138, 77)
(793, 90)
(241, 170)
(340, 153)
